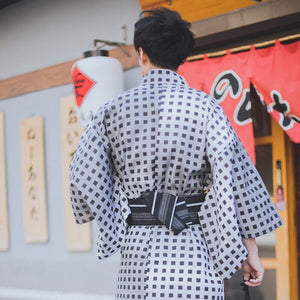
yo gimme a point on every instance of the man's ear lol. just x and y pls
(143, 57)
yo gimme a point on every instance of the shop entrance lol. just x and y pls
(278, 250)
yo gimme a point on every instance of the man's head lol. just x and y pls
(164, 37)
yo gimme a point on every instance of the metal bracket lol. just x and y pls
(110, 43)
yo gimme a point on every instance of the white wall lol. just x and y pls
(36, 34)
(39, 33)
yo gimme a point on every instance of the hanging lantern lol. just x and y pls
(96, 78)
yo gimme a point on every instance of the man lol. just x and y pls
(167, 180)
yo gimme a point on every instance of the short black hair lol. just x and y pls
(164, 37)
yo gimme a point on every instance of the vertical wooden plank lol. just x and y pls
(78, 237)
(292, 209)
(33, 180)
(283, 274)
(4, 232)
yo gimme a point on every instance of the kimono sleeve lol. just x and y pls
(236, 182)
(94, 189)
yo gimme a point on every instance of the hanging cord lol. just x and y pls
(246, 290)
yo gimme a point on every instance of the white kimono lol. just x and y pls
(168, 137)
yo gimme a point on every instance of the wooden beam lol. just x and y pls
(56, 75)
(269, 262)
(193, 10)
(290, 38)
(249, 34)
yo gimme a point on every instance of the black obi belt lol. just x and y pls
(156, 208)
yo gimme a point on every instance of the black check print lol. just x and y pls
(168, 137)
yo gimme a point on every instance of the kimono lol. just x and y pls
(165, 136)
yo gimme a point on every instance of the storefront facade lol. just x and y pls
(36, 83)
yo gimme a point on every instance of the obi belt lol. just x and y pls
(156, 208)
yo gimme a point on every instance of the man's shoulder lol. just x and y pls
(199, 96)
(123, 96)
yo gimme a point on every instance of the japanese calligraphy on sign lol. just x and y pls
(78, 237)
(33, 180)
(4, 233)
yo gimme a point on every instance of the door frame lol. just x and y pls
(285, 261)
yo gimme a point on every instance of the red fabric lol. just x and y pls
(227, 79)
(276, 76)
(274, 72)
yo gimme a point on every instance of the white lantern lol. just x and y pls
(96, 80)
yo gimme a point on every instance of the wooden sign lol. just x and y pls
(33, 180)
(4, 233)
(78, 237)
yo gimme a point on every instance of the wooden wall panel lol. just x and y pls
(296, 156)
(4, 232)
(33, 180)
(194, 10)
(78, 237)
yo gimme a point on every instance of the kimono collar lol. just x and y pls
(163, 76)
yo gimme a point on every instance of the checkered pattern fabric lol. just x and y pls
(156, 264)
(167, 137)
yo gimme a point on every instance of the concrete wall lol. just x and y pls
(39, 33)
(35, 34)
